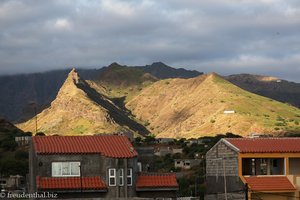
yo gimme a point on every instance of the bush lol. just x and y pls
(280, 124)
(13, 167)
(21, 155)
(8, 144)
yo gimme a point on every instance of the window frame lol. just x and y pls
(121, 177)
(112, 176)
(69, 169)
(129, 177)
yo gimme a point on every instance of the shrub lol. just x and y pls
(280, 124)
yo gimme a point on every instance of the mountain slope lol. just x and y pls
(79, 109)
(195, 107)
(271, 87)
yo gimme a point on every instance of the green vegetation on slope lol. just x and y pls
(195, 107)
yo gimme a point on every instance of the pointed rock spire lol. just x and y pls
(73, 75)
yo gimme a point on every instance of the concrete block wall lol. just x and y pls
(218, 158)
(214, 161)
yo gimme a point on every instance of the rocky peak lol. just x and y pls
(69, 88)
(73, 75)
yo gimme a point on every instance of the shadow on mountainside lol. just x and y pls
(118, 115)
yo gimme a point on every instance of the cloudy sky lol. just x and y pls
(225, 36)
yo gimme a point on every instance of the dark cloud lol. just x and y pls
(226, 36)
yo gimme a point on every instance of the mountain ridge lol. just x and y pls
(19, 91)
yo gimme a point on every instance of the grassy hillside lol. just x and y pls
(195, 107)
(272, 87)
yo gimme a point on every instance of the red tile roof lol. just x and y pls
(70, 183)
(266, 145)
(157, 180)
(107, 145)
(269, 183)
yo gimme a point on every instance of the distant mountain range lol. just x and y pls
(20, 91)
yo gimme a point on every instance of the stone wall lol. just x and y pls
(230, 196)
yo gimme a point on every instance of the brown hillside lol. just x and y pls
(195, 107)
(79, 109)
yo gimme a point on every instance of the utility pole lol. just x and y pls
(80, 172)
(225, 184)
(196, 186)
(224, 174)
(33, 103)
(36, 118)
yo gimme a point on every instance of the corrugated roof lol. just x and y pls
(269, 183)
(70, 183)
(107, 145)
(157, 180)
(266, 145)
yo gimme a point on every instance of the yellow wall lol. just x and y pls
(274, 196)
(294, 164)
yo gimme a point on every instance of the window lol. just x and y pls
(112, 177)
(129, 176)
(65, 169)
(121, 177)
(275, 164)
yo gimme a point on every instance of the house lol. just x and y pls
(164, 150)
(13, 183)
(102, 166)
(145, 158)
(186, 163)
(22, 140)
(165, 185)
(164, 140)
(262, 168)
(229, 112)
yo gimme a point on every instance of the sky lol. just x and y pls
(223, 36)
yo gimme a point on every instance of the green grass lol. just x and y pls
(265, 111)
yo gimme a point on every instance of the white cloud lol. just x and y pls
(62, 24)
